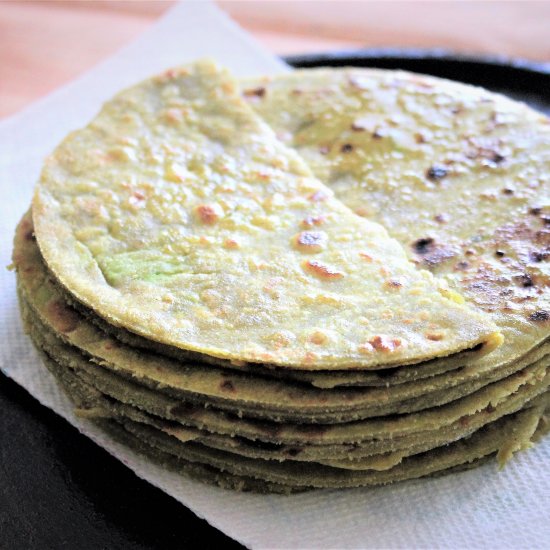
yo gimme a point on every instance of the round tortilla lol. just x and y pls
(458, 175)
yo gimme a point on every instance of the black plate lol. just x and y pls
(59, 490)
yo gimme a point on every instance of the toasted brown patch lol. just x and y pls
(231, 244)
(462, 265)
(538, 256)
(322, 271)
(394, 284)
(420, 138)
(464, 421)
(227, 385)
(366, 348)
(524, 280)
(433, 253)
(424, 245)
(311, 221)
(310, 242)
(539, 316)
(310, 357)
(64, 318)
(346, 148)
(255, 92)
(294, 451)
(208, 213)
(318, 338)
(437, 172)
(384, 343)
(441, 218)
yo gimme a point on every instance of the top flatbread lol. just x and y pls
(458, 175)
(177, 215)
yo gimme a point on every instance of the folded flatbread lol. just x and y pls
(179, 216)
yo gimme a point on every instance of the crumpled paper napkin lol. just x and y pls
(478, 509)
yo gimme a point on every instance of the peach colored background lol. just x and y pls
(46, 43)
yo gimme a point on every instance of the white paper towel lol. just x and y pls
(477, 509)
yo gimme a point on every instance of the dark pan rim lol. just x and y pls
(425, 56)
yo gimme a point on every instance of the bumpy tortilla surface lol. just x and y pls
(458, 175)
(177, 214)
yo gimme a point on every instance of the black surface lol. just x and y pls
(59, 490)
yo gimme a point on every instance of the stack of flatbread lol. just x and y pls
(332, 278)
